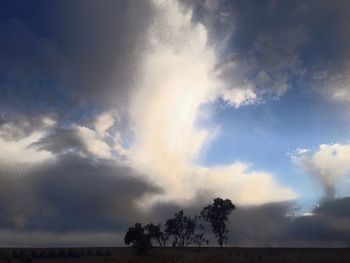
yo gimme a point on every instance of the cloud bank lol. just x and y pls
(105, 106)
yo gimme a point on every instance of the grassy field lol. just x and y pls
(178, 255)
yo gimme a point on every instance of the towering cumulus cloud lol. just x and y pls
(178, 76)
(327, 165)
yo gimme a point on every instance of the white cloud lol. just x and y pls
(95, 145)
(103, 122)
(237, 91)
(238, 182)
(178, 77)
(327, 164)
(20, 151)
(239, 96)
(99, 141)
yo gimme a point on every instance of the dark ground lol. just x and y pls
(177, 255)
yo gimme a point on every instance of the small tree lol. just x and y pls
(156, 233)
(138, 238)
(217, 215)
(181, 228)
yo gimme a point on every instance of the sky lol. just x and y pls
(116, 112)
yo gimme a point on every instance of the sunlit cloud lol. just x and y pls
(19, 151)
(178, 77)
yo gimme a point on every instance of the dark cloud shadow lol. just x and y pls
(71, 194)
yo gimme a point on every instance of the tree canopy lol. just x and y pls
(217, 215)
(156, 233)
(138, 238)
(182, 228)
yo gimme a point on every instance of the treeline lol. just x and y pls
(182, 230)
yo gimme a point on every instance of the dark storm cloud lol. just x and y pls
(162, 210)
(61, 54)
(278, 225)
(61, 140)
(14, 126)
(57, 55)
(336, 207)
(276, 44)
(330, 224)
(259, 225)
(257, 42)
(273, 224)
(329, 54)
(72, 198)
(105, 40)
(70, 194)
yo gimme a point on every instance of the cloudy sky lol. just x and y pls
(113, 112)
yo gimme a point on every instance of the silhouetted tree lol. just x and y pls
(181, 228)
(156, 233)
(138, 238)
(217, 215)
(198, 237)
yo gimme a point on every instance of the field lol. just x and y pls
(177, 255)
